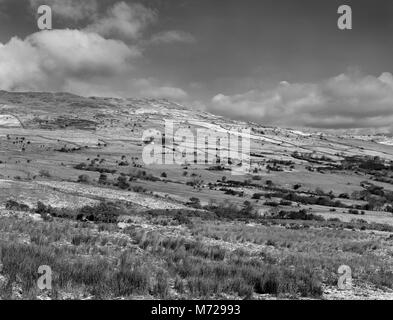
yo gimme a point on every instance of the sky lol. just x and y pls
(274, 62)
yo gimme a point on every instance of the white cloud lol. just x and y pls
(69, 9)
(348, 100)
(79, 62)
(172, 36)
(100, 59)
(46, 60)
(125, 21)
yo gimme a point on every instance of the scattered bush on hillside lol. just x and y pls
(296, 215)
(44, 173)
(257, 196)
(271, 204)
(14, 205)
(103, 179)
(105, 212)
(194, 203)
(122, 183)
(83, 178)
(231, 211)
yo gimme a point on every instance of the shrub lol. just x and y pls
(80, 166)
(195, 203)
(344, 196)
(105, 212)
(13, 205)
(271, 204)
(297, 215)
(103, 179)
(45, 211)
(44, 173)
(122, 183)
(182, 219)
(83, 178)
(257, 196)
(232, 211)
(269, 183)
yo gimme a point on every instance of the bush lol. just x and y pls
(45, 211)
(105, 212)
(257, 196)
(269, 183)
(195, 203)
(44, 173)
(344, 196)
(297, 215)
(122, 183)
(182, 219)
(271, 204)
(13, 205)
(83, 178)
(103, 179)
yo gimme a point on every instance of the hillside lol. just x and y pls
(309, 202)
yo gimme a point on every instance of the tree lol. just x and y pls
(103, 179)
(195, 203)
(83, 178)
(122, 182)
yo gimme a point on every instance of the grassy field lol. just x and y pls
(76, 195)
(176, 255)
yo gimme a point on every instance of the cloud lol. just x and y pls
(46, 60)
(69, 9)
(346, 101)
(80, 62)
(172, 36)
(100, 59)
(124, 21)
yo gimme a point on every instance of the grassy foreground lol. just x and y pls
(178, 255)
